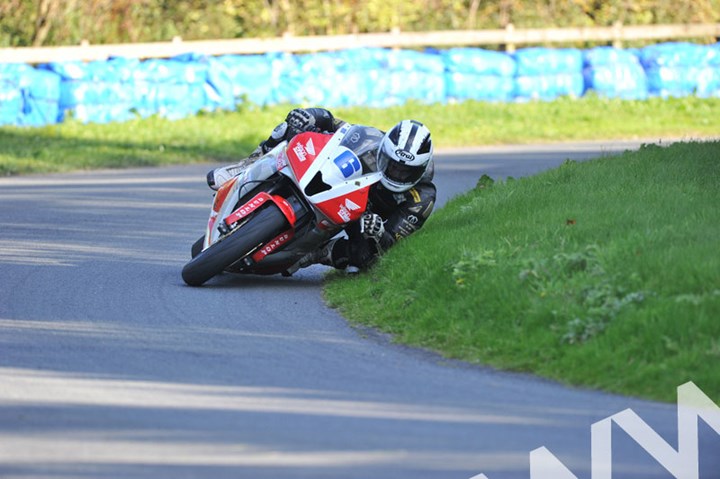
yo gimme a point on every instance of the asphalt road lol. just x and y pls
(110, 367)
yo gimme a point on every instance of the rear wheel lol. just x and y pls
(264, 225)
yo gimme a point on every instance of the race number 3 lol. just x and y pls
(348, 163)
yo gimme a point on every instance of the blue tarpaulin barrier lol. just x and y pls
(468, 86)
(681, 69)
(94, 92)
(548, 61)
(546, 73)
(120, 89)
(42, 93)
(415, 76)
(250, 77)
(169, 88)
(475, 74)
(708, 83)
(11, 96)
(615, 73)
(479, 62)
(320, 78)
(28, 96)
(549, 87)
(217, 81)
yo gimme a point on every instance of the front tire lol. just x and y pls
(263, 226)
(197, 247)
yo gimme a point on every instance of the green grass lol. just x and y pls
(603, 274)
(227, 137)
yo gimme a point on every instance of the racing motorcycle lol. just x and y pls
(285, 204)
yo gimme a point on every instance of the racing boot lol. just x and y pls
(322, 255)
(218, 176)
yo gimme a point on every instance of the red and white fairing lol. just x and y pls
(319, 157)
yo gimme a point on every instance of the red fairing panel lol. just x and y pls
(345, 209)
(303, 149)
(256, 202)
(272, 245)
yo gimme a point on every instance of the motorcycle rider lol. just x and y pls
(398, 205)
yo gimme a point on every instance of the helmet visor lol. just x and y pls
(399, 173)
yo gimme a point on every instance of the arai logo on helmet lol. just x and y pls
(404, 155)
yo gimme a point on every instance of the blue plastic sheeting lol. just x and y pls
(218, 85)
(11, 100)
(412, 61)
(475, 74)
(418, 86)
(95, 92)
(549, 87)
(548, 61)
(251, 77)
(604, 56)
(679, 54)
(624, 80)
(680, 82)
(545, 74)
(310, 78)
(468, 86)
(413, 76)
(28, 97)
(376, 77)
(331, 79)
(123, 88)
(615, 73)
(476, 61)
(708, 83)
(681, 69)
(169, 88)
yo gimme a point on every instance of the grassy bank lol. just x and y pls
(603, 274)
(225, 137)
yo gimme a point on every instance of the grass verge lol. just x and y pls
(227, 137)
(603, 274)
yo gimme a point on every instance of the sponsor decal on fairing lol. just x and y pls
(300, 152)
(247, 208)
(273, 245)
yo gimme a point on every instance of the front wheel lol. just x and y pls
(261, 228)
(197, 247)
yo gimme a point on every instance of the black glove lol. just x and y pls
(371, 226)
(299, 121)
(278, 134)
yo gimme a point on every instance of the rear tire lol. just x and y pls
(264, 225)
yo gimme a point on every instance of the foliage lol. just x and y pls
(57, 22)
(579, 278)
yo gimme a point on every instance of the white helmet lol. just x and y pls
(404, 155)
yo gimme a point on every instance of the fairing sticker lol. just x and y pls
(303, 149)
